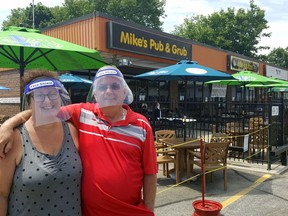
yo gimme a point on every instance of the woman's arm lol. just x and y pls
(6, 130)
(7, 170)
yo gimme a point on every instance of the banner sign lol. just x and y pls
(10, 100)
(240, 64)
(275, 111)
(218, 90)
(130, 39)
(276, 72)
(245, 143)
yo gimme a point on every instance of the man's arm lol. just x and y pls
(7, 170)
(6, 130)
(149, 190)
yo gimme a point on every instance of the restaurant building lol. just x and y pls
(136, 49)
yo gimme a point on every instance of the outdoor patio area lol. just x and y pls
(249, 186)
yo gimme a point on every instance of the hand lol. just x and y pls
(6, 131)
(6, 140)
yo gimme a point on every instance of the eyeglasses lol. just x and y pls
(41, 97)
(113, 87)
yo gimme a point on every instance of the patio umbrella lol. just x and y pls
(277, 83)
(77, 86)
(279, 89)
(24, 48)
(243, 78)
(70, 79)
(184, 70)
(4, 88)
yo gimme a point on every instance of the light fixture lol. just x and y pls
(124, 62)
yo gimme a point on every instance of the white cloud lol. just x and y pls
(275, 13)
(6, 7)
(177, 10)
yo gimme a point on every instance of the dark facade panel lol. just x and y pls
(121, 37)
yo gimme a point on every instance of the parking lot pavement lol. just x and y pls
(252, 191)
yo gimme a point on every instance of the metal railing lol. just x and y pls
(203, 118)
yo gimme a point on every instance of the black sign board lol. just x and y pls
(130, 39)
(240, 64)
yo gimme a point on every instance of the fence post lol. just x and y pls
(269, 127)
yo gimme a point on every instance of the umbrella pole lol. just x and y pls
(21, 70)
(202, 171)
(185, 108)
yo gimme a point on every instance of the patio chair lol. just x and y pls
(258, 144)
(255, 123)
(220, 137)
(166, 158)
(214, 159)
(162, 148)
(160, 134)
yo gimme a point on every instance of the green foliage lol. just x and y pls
(24, 17)
(147, 13)
(278, 57)
(237, 31)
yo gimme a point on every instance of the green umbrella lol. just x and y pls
(243, 78)
(226, 82)
(277, 83)
(24, 48)
(279, 89)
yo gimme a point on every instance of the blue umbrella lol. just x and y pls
(185, 70)
(70, 78)
(4, 88)
(77, 86)
(75, 82)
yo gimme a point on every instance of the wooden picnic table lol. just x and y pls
(182, 146)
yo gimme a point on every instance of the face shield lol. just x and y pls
(44, 96)
(110, 88)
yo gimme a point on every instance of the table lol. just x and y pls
(180, 125)
(181, 119)
(182, 146)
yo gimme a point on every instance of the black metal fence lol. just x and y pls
(258, 130)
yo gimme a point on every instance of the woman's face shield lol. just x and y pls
(45, 97)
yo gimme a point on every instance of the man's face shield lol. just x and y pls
(45, 96)
(110, 88)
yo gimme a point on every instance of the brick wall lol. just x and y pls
(10, 79)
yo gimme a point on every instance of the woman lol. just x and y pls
(41, 174)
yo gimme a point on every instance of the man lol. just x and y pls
(117, 150)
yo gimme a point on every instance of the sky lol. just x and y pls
(176, 10)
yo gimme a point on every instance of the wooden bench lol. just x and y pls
(281, 150)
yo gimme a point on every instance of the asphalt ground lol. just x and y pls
(252, 191)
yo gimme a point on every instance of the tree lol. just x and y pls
(24, 17)
(147, 13)
(237, 31)
(278, 57)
